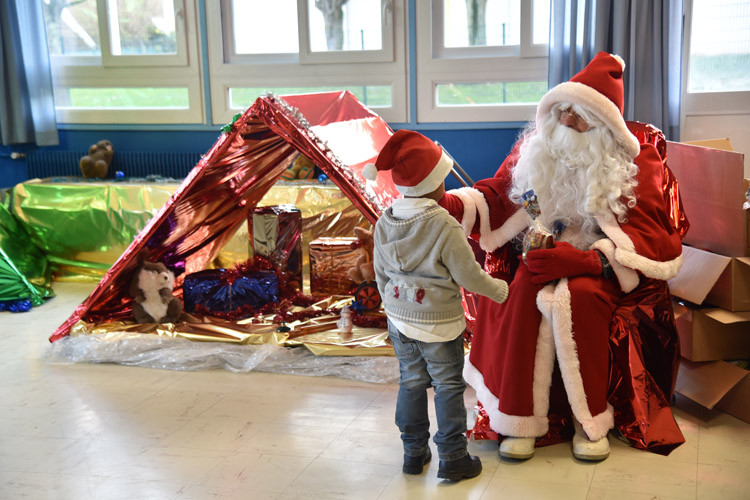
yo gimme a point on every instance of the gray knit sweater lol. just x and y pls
(420, 265)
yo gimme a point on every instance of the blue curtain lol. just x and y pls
(647, 34)
(27, 106)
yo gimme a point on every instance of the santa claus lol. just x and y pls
(600, 193)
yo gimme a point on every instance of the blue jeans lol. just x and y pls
(425, 364)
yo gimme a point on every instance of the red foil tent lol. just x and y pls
(333, 129)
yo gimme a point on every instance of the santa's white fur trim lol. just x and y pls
(598, 103)
(625, 252)
(370, 172)
(660, 270)
(559, 309)
(515, 224)
(627, 277)
(469, 216)
(475, 205)
(502, 423)
(544, 358)
(619, 60)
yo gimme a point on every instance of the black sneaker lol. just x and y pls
(414, 465)
(463, 468)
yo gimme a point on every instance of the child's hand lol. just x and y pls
(502, 291)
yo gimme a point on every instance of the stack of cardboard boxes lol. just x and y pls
(712, 291)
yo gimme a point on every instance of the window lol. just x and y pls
(117, 61)
(481, 60)
(303, 46)
(716, 58)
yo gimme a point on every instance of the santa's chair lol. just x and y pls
(644, 346)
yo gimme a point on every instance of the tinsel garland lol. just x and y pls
(19, 305)
(290, 298)
(294, 115)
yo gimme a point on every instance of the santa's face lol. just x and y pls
(571, 119)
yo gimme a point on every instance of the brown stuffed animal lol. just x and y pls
(151, 288)
(363, 269)
(302, 168)
(96, 163)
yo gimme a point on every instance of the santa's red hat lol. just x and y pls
(418, 166)
(598, 88)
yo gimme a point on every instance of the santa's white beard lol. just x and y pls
(573, 177)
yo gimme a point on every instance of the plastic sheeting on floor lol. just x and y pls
(152, 351)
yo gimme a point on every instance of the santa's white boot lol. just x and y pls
(585, 449)
(517, 448)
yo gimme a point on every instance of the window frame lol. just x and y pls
(147, 71)
(705, 103)
(307, 56)
(440, 65)
(229, 70)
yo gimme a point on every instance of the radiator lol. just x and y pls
(43, 164)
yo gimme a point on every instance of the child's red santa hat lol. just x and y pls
(418, 166)
(598, 88)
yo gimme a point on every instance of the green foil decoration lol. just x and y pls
(83, 226)
(24, 270)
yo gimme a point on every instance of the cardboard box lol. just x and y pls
(712, 334)
(724, 143)
(716, 384)
(716, 279)
(711, 188)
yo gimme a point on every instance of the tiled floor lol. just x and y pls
(117, 432)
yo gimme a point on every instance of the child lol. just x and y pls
(422, 260)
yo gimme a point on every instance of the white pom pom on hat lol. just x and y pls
(370, 172)
(418, 166)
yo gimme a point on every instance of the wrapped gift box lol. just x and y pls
(223, 290)
(277, 234)
(330, 261)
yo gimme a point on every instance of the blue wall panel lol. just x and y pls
(478, 151)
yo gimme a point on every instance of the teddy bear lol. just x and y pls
(302, 168)
(151, 287)
(96, 163)
(363, 269)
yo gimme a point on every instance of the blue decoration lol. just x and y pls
(357, 307)
(119, 175)
(18, 305)
(221, 290)
(322, 178)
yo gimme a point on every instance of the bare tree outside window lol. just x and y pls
(476, 13)
(71, 30)
(333, 13)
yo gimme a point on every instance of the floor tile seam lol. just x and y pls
(301, 472)
(589, 484)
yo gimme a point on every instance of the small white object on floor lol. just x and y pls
(345, 324)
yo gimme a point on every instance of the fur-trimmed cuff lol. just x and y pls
(476, 207)
(626, 254)
(491, 240)
(506, 425)
(660, 270)
(469, 217)
(627, 277)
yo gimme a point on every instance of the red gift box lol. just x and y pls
(330, 261)
(277, 234)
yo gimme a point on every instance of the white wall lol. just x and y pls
(736, 127)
